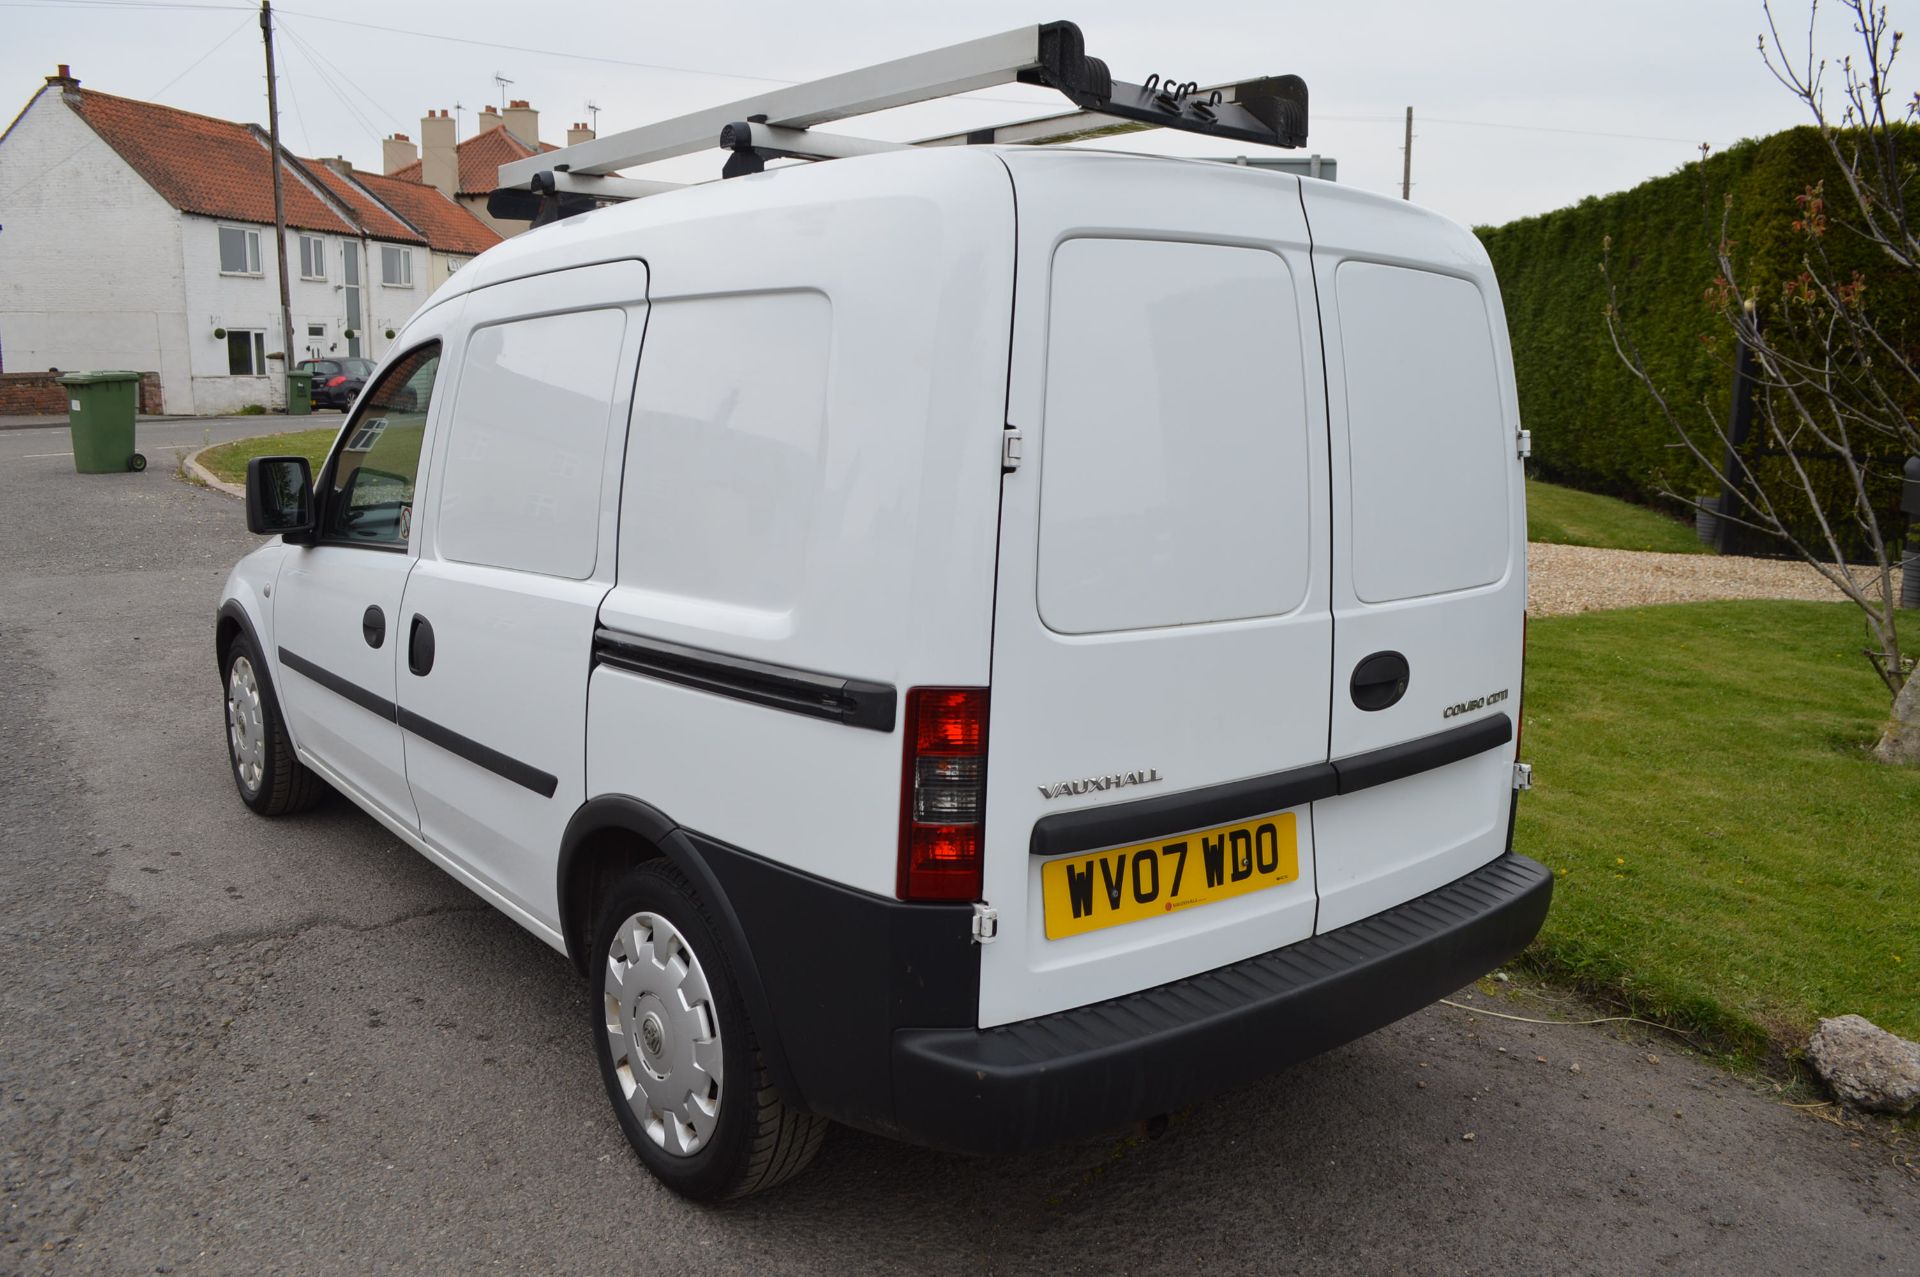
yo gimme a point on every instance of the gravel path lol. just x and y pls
(1576, 578)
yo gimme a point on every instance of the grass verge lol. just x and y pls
(1567, 516)
(1728, 857)
(229, 460)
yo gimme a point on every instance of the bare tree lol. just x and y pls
(1835, 380)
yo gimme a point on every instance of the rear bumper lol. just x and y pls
(1083, 1071)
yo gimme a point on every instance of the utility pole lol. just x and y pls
(1406, 160)
(279, 194)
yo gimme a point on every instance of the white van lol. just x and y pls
(982, 644)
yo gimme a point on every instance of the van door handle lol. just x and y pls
(420, 645)
(1380, 680)
(373, 626)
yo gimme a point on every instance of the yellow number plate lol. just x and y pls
(1125, 884)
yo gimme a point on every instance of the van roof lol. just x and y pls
(610, 233)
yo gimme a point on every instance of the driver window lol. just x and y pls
(370, 500)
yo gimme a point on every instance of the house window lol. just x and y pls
(247, 352)
(313, 257)
(239, 250)
(396, 267)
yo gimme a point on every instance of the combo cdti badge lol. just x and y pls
(980, 643)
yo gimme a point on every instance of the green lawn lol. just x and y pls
(229, 460)
(1567, 516)
(1728, 857)
(398, 450)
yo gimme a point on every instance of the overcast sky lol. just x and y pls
(1510, 97)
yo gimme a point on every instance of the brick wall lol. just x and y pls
(38, 393)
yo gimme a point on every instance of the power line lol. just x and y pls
(306, 138)
(203, 57)
(594, 57)
(1496, 124)
(353, 110)
(313, 54)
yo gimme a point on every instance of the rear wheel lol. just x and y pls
(270, 779)
(677, 1052)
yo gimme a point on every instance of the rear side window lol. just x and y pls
(370, 501)
(1174, 466)
(1430, 450)
(527, 446)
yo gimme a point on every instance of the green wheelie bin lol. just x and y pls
(299, 391)
(100, 418)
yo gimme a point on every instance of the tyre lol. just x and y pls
(677, 1051)
(270, 779)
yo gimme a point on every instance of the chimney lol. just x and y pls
(64, 81)
(524, 123)
(339, 164)
(489, 119)
(439, 162)
(577, 133)
(397, 152)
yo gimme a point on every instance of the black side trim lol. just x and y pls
(1117, 824)
(852, 701)
(541, 783)
(1094, 1068)
(523, 774)
(1409, 758)
(341, 687)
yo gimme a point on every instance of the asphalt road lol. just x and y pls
(235, 1045)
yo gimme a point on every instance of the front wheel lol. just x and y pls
(270, 779)
(677, 1052)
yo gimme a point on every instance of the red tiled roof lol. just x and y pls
(480, 159)
(378, 222)
(200, 164)
(447, 226)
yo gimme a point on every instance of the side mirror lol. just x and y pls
(279, 496)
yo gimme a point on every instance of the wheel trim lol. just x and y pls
(246, 725)
(663, 1033)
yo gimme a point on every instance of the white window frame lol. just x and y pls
(401, 254)
(252, 242)
(258, 349)
(318, 254)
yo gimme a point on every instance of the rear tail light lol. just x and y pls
(943, 793)
(336, 381)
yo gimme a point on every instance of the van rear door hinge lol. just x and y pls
(1525, 444)
(986, 924)
(1523, 775)
(1010, 446)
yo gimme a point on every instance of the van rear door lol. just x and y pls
(1162, 627)
(1429, 568)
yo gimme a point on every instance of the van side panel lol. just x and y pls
(812, 482)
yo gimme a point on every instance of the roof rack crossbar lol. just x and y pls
(1074, 126)
(960, 68)
(1270, 111)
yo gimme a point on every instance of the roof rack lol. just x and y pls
(555, 184)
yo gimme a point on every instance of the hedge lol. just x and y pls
(1594, 427)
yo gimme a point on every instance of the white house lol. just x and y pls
(134, 235)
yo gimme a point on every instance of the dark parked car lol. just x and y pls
(337, 382)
